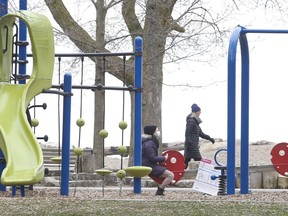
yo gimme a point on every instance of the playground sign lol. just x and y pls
(203, 181)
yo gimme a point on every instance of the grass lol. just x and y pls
(43, 201)
(77, 206)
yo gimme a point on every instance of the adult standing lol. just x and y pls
(192, 134)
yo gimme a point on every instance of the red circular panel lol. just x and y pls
(174, 163)
(280, 158)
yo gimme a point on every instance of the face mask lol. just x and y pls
(158, 134)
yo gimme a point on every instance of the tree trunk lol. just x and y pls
(99, 112)
(155, 34)
(99, 118)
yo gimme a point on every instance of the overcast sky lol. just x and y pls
(268, 88)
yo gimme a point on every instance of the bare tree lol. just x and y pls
(164, 30)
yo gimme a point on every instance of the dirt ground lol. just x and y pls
(171, 193)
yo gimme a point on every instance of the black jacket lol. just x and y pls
(150, 155)
(192, 134)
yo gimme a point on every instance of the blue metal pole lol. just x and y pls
(22, 189)
(3, 7)
(13, 190)
(232, 51)
(22, 38)
(265, 31)
(2, 167)
(244, 164)
(66, 135)
(138, 111)
(3, 11)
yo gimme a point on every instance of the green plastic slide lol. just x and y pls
(18, 143)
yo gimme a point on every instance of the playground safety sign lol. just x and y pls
(203, 181)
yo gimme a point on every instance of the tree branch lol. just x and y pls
(130, 18)
(113, 3)
(71, 28)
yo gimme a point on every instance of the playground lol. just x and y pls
(20, 173)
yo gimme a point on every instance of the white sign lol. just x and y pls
(203, 182)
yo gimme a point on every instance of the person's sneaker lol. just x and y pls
(173, 182)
